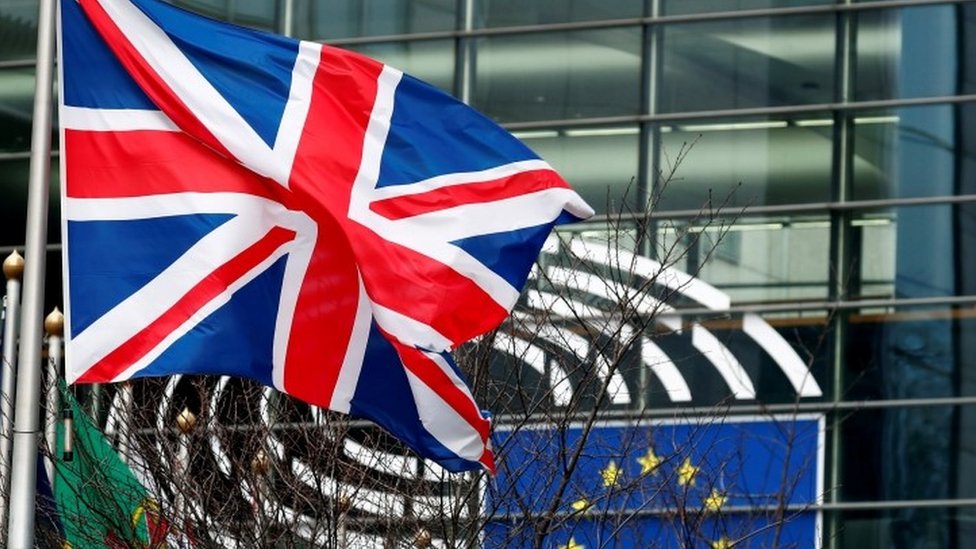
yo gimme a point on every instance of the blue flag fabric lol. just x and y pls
(704, 482)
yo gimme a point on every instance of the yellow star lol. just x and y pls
(722, 543)
(649, 462)
(611, 474)
(715, 500)
(580, 505)
(572, 545)
(686, 473)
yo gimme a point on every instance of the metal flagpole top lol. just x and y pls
(13, 266)
(54, 323)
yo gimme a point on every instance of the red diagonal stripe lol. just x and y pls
(468, 193)
(439, 382)
(204, 292)
(147, 78)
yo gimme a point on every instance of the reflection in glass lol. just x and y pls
(913, 252)
(16, 106)
(911, 353)
(910, 52)
(912, 453)
(18, 30)
(945, 528)
(681, 7)
(600, 163)
(914, 151)
(315, 20)
(559, 75)
(741, 163)
(511, 13)
(429, 60)
(741, 63)
(754, 260)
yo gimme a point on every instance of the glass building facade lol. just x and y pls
(820, 153)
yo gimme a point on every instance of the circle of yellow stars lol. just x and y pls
(612, 474)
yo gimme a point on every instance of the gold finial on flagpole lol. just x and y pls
(54, 323)
(13, 266)
(186, 421)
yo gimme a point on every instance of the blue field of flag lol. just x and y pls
(701, 482)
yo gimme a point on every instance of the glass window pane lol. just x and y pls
(946, 528)
(754, 259)
(16, 108)
(18, 29)
(681, 7)
(742, 63)
(914, 252)
(910, 353)
(13, 205)
(561, 75)
(512, 13)
(335, 19)
(912, 53)
(599, 163)
(741, 163)
(429, 60)
(914, 152)
(256, 14)
(913, 453)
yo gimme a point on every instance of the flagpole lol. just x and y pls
(54, 326)
(13, 269)
(23, 476)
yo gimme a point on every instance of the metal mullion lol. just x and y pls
(18, 64)
(785, 209)
(672, 511)
(650, 20)
(464, 52)
(504, 421)
(287, 22)
(839, 276)
(743, 113)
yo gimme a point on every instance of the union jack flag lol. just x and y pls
(240, 203)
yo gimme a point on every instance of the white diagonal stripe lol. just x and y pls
(201, 314)
(408, 330)
(254, 217)
(444, 423)
(209, 106)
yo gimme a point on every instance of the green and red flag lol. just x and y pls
(100, 500)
